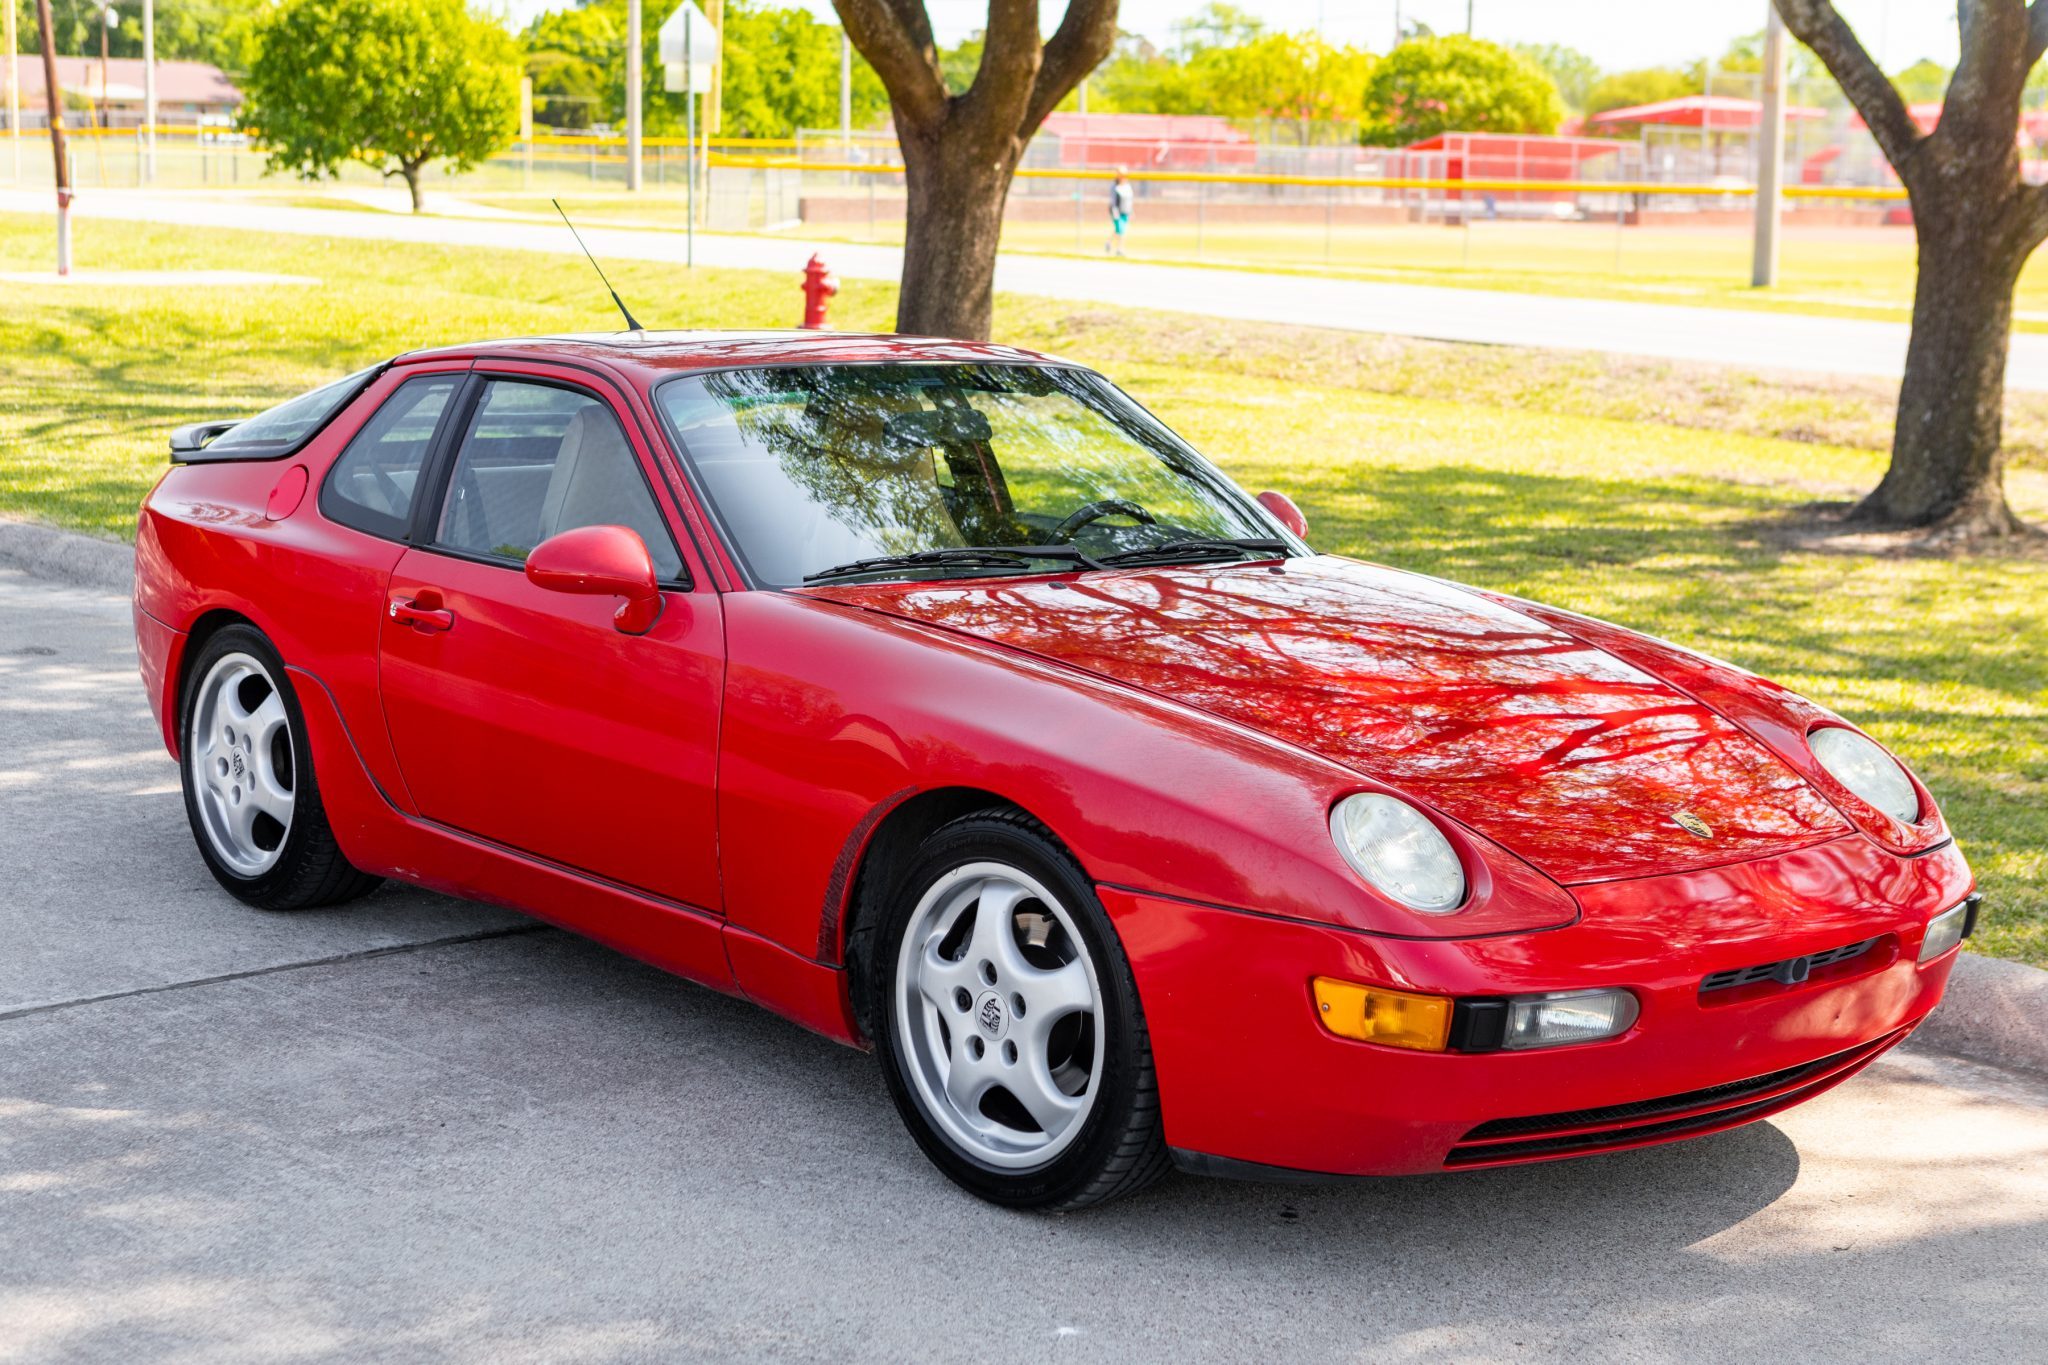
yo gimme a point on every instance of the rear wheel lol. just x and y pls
(248, 777)
(1009, 1025)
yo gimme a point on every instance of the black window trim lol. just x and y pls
(1182, 447)
(398, 530)
(440, 472)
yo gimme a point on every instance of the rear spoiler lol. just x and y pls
(188, 441)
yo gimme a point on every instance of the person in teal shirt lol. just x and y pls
(1119, 213)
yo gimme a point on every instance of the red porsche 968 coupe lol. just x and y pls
(938, 697)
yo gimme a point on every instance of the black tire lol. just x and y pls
(308, 870)
(1120, 1146)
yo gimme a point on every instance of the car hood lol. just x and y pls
(1576, 761)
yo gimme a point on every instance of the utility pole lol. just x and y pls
(845, 95)
(106, 19)
(526, 132)
(149, 92)
(56, 102)
(1397, 25)
(13, 91)
(633, 100)
(1770, 156)
(690, 137)
(1468, 18)
(714, 121)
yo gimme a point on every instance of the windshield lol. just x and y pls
(816, 468)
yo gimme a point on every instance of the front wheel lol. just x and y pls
(248, 777)
(1008, 1023)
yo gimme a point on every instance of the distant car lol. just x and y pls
(938, 697)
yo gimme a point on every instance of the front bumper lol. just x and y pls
(1249, 1078)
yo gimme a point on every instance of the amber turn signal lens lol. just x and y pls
(1373, 1014)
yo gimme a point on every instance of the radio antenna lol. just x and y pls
(631, 324)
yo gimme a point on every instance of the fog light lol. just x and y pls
(1562, 1017)
(1945, 931)
(1375, 1015)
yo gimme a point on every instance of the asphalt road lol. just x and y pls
(416, 1129)
(1723, 336)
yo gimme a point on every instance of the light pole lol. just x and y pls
(14, 91)
(149, 91)
(846, 95)
(1770, 156)
(633, 100)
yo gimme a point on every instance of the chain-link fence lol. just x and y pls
(1670, 194)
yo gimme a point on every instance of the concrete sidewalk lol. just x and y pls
(1723, 336)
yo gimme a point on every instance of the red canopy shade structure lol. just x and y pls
(1712, 112)
(1925, 115)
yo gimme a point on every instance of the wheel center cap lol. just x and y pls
(237, 762)
(990, 1016)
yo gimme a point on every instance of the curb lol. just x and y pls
(1995, 1011)
(67, 556)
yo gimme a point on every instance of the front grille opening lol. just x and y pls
(1786, 973)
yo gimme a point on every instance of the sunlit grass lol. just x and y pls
(1645, 494)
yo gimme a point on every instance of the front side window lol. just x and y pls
(816, 467)
(372, 485)
(538, 460)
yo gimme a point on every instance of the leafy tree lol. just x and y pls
(1648, 85)
(960, 61)
(1266, 76)
(392, 84)
(960, 151)
(577, 61)
(1921, 82)
(1572, 70)
(781, 71)
(1977, 221)
(1215, 24)
(218, 32)
(782, 74)
(1433, 85)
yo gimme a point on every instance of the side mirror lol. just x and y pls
(1284, 511)
(601, 561)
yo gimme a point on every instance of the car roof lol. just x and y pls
(650, 354)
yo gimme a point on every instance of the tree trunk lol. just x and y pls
(1947, 467)
(411, 172)
(956, 191)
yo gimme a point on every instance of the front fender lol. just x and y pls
(833, 713)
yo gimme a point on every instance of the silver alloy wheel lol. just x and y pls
(244, 771)
(1000, 1015)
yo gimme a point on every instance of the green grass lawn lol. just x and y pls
(1650, 494)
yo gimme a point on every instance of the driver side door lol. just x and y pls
(524, 716)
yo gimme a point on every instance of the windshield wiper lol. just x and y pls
(1198, 547)
(963, 556)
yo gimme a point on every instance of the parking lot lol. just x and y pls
(419, 1129)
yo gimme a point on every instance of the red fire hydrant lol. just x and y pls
(820, 284)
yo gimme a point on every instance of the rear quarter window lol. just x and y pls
(288, 426)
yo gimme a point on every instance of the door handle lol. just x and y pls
(422, 611)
